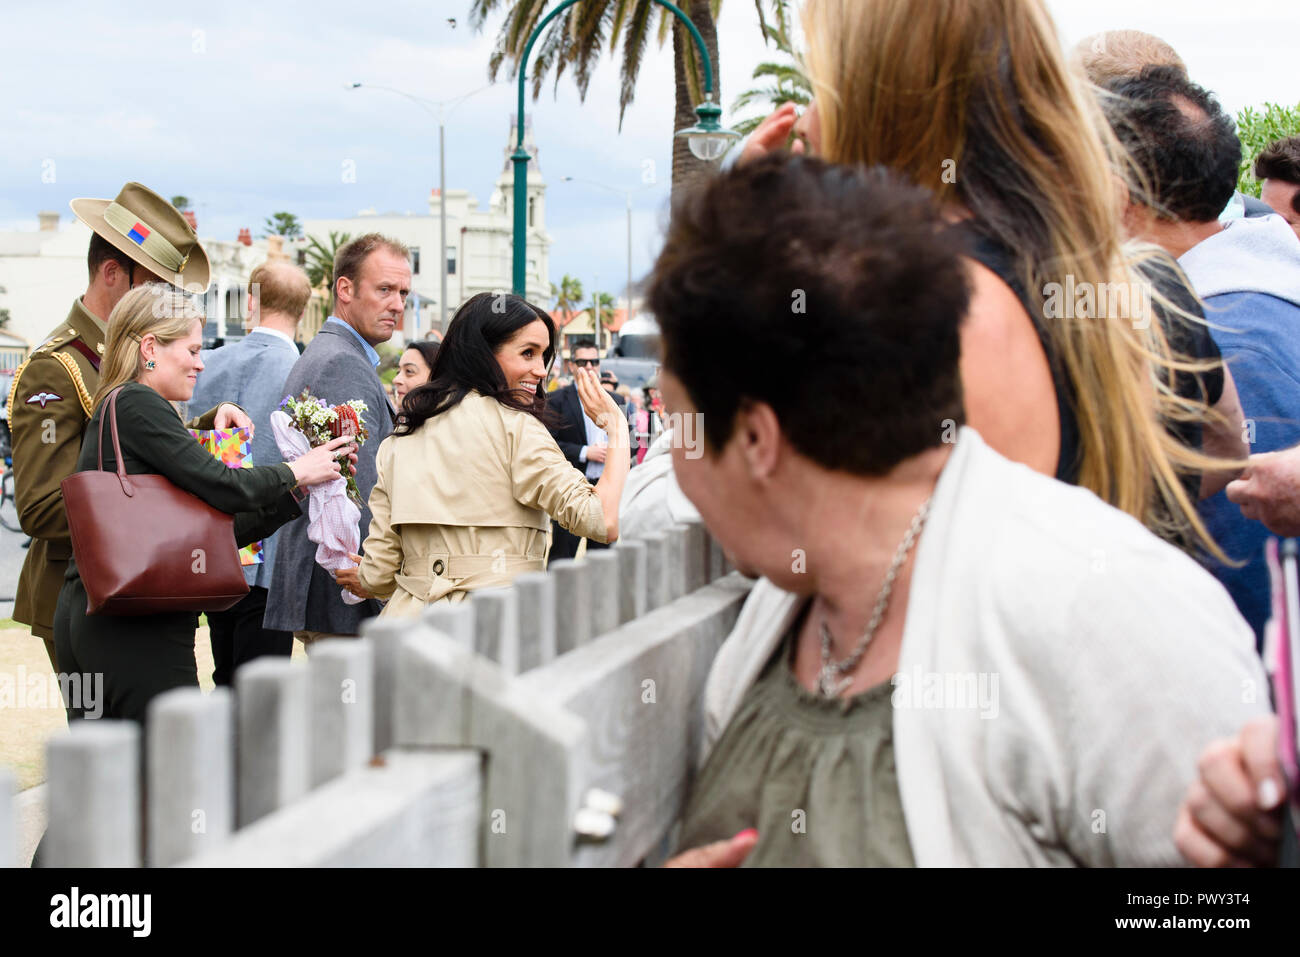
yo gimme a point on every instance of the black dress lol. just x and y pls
(141, 656)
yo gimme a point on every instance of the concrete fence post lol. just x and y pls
(496, 626)
(535, 594)
(342, 706)
(94, 796)
(658, 570)
(572, 604)
(605, 588)
(190, 772)
(273, 706)
(632, 579)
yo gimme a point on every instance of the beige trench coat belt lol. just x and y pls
(435, 576)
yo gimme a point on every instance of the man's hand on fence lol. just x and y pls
(729, 853)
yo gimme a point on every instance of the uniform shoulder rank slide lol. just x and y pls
(43, 397)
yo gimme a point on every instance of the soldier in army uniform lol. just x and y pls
(138, 237)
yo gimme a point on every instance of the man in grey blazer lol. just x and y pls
(372, 278)
(251, 373)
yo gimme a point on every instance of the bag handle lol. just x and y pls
(110, 413)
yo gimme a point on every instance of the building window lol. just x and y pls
(451, 262)
(302, 257)
(532, 211)
(415, 260)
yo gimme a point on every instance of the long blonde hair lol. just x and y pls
(155, 308)
(974, 100)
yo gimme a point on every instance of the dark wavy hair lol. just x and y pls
(428, 350)
(843, 274)
(1281, 161)
(467, 361)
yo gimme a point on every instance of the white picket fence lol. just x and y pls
(551, 723)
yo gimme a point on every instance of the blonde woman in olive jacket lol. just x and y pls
(469, 480)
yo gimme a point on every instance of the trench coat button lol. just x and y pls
(437, 567)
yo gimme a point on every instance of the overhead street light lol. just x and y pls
(707, 139)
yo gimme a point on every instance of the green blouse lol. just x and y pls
(816, 777)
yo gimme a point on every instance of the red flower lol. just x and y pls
(346, 421)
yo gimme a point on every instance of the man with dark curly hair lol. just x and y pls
(1278, 169)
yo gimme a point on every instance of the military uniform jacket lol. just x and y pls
(49, 406)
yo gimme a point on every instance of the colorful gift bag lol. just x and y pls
(234, 449)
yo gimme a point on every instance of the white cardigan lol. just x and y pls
(1110, 659)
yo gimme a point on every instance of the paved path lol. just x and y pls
(11, 563)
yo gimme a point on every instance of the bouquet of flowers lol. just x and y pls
(333, 508)
(320, 422)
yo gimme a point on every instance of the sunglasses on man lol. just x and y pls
(586, 362)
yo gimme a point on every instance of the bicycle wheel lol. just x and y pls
(8, 508)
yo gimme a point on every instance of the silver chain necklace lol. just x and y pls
(834, 676)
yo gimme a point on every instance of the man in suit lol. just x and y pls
(136, 238)
(251, 373)
(372, 278)
(580, 439)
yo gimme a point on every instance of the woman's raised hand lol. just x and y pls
(772, 133)
(321, 464)
(600, 406)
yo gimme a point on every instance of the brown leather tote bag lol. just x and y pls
(144, 546)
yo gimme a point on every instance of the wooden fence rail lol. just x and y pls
(553, 722)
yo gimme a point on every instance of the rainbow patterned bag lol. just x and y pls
(234, 449)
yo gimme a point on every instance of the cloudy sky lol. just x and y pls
(244, 107)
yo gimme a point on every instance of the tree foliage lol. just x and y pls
(283, 224)
(1258, 130)
(320, 264)
(567, 297)
(788, 84)
(576, 39)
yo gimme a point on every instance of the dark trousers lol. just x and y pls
(238, 636)
(121, 662)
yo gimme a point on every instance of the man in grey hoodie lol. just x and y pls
(1247, 271)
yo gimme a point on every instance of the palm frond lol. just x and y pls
(635, 40)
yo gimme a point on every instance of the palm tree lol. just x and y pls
(604, 305)
(790, 85)
(283, 224)
(567, 296)
(577, 37)
(320, 264)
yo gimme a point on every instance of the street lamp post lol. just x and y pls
(707, 138)
(442, 109)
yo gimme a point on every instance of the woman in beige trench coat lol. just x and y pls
(471, 475)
